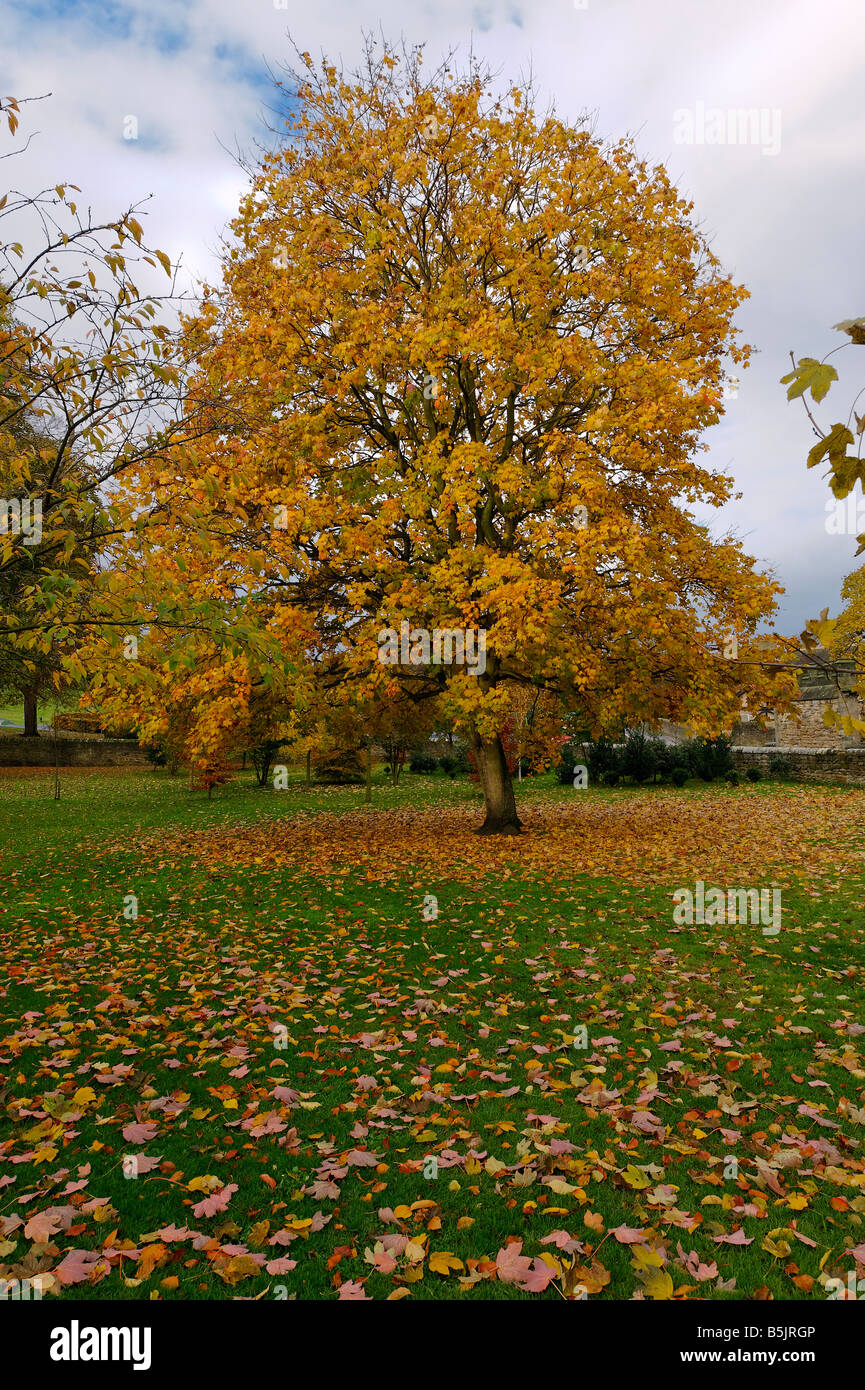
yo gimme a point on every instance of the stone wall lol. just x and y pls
(17, 751)
(804, 729)
(807, 764)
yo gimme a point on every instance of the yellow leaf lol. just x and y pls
(645, 1259)
(780, 1248)
(443, 1262)
(658, 1284)
(206, 1183)
(634, 1178)
(45, 1153)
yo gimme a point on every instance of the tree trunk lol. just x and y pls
(31, 717)
(398, 753)
(308, 767)
(368, 796)
(501, 808)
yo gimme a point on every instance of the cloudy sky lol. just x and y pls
(785, 211)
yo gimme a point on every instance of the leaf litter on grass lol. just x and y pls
(337, 1098)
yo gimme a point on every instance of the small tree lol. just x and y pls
(210, 776)
(263, 756)
(341, 753)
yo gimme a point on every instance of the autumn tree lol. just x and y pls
(199, 702)
(90, 385)
(474, 349)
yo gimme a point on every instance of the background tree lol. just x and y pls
(537, 721)
(90, 384)
(30, 671)
(398, 725)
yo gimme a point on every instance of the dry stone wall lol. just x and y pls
(807, 764)
(17, 751)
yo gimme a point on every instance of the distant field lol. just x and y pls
(14, 714)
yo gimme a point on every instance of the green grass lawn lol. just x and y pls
(409, 1034)
(14, 713)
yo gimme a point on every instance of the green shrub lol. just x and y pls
(460, 754)
(732, 777)
(667, 757)
(422, 762)
(567, 762)
(602, 756)
(639, 759)
(610, 778)
(754, 774)
(343, 767)
(779, 766)
(709, 758)
(679, 775)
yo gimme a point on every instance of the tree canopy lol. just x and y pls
(464, 354)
